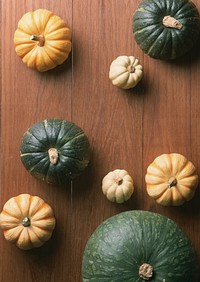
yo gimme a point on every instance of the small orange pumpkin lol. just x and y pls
(171, 179)
(27, 221)
(42, 40)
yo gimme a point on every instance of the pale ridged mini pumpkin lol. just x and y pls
(42, 40)
(118, 186)
(171, 179)
(27, 221)
(125, 72)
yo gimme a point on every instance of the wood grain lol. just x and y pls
(126, 129)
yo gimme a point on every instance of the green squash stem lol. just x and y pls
(53, 155)
(146, 271)
(40, 39)
(169, 21)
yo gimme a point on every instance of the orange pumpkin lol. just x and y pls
(171, 179)
(27, 221)
(42, 40)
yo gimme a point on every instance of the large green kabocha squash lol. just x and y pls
(138, 246)
(55, 150)
(166, 29)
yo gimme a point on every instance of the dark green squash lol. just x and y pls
(138, 246)
(166, 29)
(55, 150)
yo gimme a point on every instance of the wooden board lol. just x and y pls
(126, 129)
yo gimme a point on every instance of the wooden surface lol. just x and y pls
(126, 129)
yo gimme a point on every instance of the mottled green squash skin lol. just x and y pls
(70, 142)
(122, 243)
(159, 41)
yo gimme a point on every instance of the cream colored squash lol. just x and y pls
(42, 40)
(27, 221)
(118, 186)
(125, 72)
(171, 179)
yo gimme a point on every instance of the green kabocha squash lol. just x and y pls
(138, 246)
(166, 29)
(55, 150)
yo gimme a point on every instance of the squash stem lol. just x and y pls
(169, 21)
(26, 222)
(53, 155)
(146, 271)
(40, 39)
(131, 68)
(119, 181)
(172, 182)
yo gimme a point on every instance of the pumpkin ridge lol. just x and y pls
(50, 14)
(155, 41)
(31, 133)
(47, 54)
(64, 28)
(187, 163)
(73, 158)
(34, 166)
(158, 167)
(45, 123)
(146, 8)
(62, 23)
(34, 21)
(39, 239)
(186, 187)
(11, 215)
(29, 238)
(17, 239)
(53, 47)
(80, 134)
(168, 40)
(185, 7)
(39, 207)
(29, 205)
(50, 227)
(19, 206)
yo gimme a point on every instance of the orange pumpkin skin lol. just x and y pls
(27, 221)
(171, 179)
(42, 40)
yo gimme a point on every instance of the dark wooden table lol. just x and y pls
(126, 129)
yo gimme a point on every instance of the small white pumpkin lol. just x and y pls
(125, 72)
(118, 186)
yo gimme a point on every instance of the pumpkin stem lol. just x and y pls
(131, 68)
(169, 21)
(40, 39)
(53, 155)
(146, 271)
(26, 222)
(119, 180)
(172, 182)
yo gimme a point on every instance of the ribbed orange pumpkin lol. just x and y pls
(27, 221)
(171, 179)
(42, 40)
